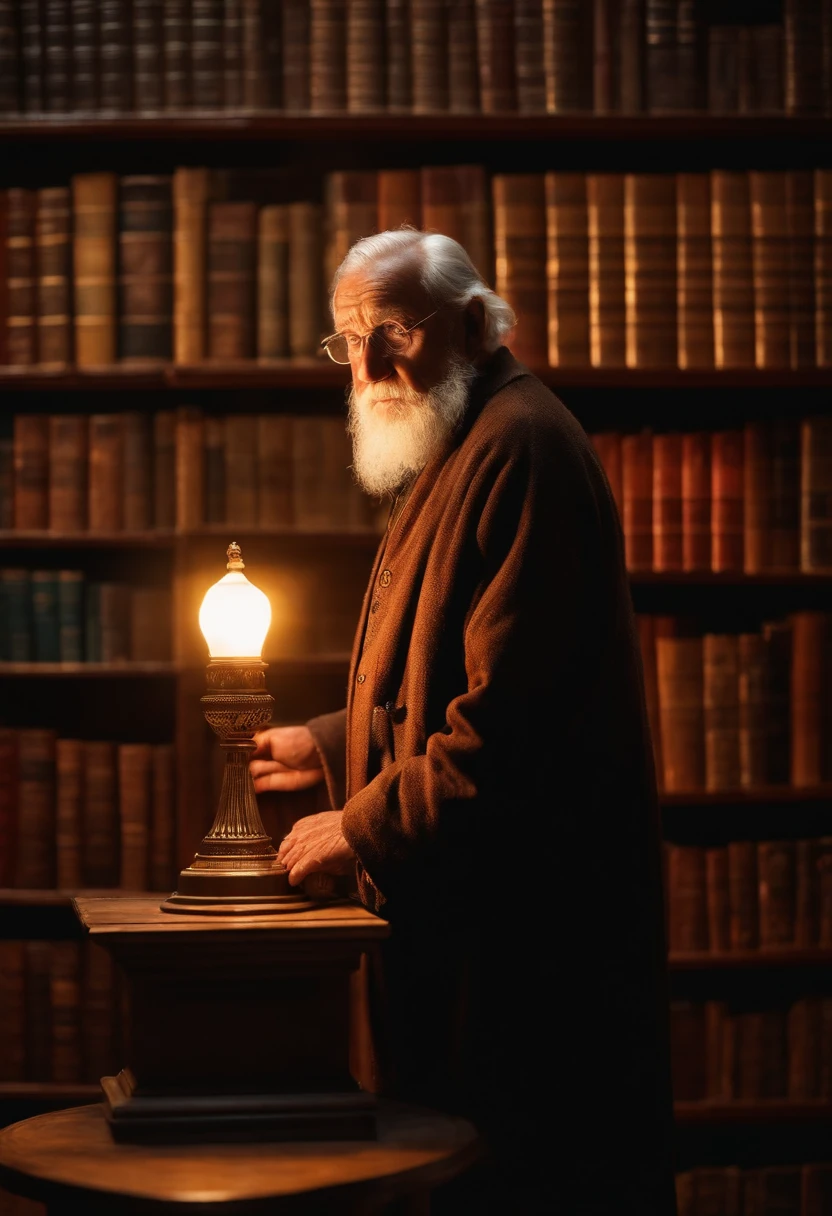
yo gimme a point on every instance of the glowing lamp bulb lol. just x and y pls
(235, 615)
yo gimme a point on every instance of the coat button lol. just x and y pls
(360, 679)
(384, 580)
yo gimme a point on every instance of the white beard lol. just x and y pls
(393, 443)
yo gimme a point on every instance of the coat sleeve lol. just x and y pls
(532, 522)
(330, 734)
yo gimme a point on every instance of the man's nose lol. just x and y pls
(371, 366)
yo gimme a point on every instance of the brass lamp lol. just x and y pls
(236, 868)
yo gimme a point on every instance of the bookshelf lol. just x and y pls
(326, 565)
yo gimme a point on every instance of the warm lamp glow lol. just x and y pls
(235, 615)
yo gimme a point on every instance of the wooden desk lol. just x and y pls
(68, 1160)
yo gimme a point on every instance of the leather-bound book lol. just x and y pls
(732, 266)
(309, 505)
(241, 470)
(723, 69)
(16, 640)
(137, 471)
(295, 55)
(206, 54)
(31, 471)
(71, 615)
(776, 896)
(772, 1190)
(817, 1190)
(567, 55)
(115, 55)
(97, 1012)
(274, 470)
(807, 893)
(192, 191)
(823, 267)
(661, 70)
(520, 260)
(114, 607)
(255, 85)
(4, 278)
(608, 446)
(688, 909)
(428, 39)
(105, 485)
(804, 50)
(804, 1032)
(53, 250)
(716, 898)
(351, 212)
(800, 221)
(696, 501)
(529, 68)
(687, 1050)
(35, 865)
(164, 469)
(816, 493)
(681, 706)
(32, 66)
(232, 254)
(21, 278)
(65, 996)
(135, 788)
(83, 40)
(463, 71)
(13, 1012)
(694, 287)
(57, 78)
(45, 629)
(632, 53)
(67, 510)
(10, 99)
(99, 816)
(772, 496)
(778, 639)
(273, 282)
(720, 667)
(727, 500)
(567, 269)
(94, 259)
(232, 54)
(162, 817)
(606, 56)
(214, 466)
(455, 201)
(495, 55)
(607, 329)
(148, 56)
(8, 803)
(650, 269)
(646, 626)
(743, 894)
(637, 494)
(6, 484)
(690, 57)
(176, 53)
(753, 709)
(825, 910)
(667, 502)
(306, 307)
(397, 60)
(399, 198)
(327, 56)
(719, 1044)
(761, 69)
(38, 1002)
(770, 255)
(811, 699)
(365, 54)
(190, 469)
(145, 281)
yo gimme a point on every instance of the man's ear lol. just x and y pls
(473, 320)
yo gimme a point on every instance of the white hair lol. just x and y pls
(448, 275)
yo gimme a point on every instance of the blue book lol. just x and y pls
(16, 613)
(71, 615)
(92, 623)
(45, 616)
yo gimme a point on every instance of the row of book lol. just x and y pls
(749, 895)
(755, 499)
(722, 269)
(59, 616)
(724, 1053)
(739, 710)
(180, 469)
(786, 1190)
(78, 814)
(60, 1012)
(420, 56)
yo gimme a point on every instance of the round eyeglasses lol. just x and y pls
(389, 339)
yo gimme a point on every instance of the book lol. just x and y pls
(495, 55)
(679, 668)
(753, 690)
(162, 818)
(149, 624)
(567, 55)
(688, 927)
(306, 307)
(694, 284)
(823, 266)
(667, 502)
(272, 261)
(696, 500)
(53, 302)
(720, 672)
(68, 809)
(31, 471)
(38, 1003)
(811, 707)
(192, 189)
(637, 494)
(206, 54)
(164, 469)
(8, 805)
(21, 278)
(803, 1033)
(723, 84)
(650, 269)
(148, 42)
(189, 470)
(115, 59)
(427, 38)
(455, 202)
(463, 57)
(803, 60)
(816, 493)
(743, 887)
(232, 54)
(98, 993)
(232, 251)
(716, 899)
(176, 54)
(145, 280)
(274, 470)
(294, 42)
(45, 627)
(65, 999)
(607, 327)
(17, 634)
(105, 484)
(99, 815)
(727, 500)
(6, 484)
(327, 56)
(113, 622)
(760, 69)
(807, 892)
(529, 67)
(733, 282)
(351, 210)
(135, 785)
(94, 260)
(84, 43)
(241, 435)
(67, 479)
(567, 270)
(137, 472)
(365, 51)
(631, 57)
(12, 1011)
(520, 243)
(772, 496)
(690, 52)
(9, 60)
(800, 218)
(214, 469)
(35, 862)
(661, 66)
(770, 263)
(776, 877)
(778, 638)
(606, 56)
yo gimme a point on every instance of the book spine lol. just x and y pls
(32, 66)
(38, 1003)
(10, 99)
(97, 1020)
(65, 997)
(71, 616)
(94, 258)
(681, 704)
(274, 470)
(567, 55)
(232, 54)
(723, 69)
(253, 73)
(31, 471)
(16, 638)
(135, 761)
(115, 58)
(85, 57)
(742, 894)
(661, 67)
(308, 494)
(770, 262)
(137, 504)
(607, 328)
(214, 469)
(688, 908)
(8, 804)
(637, 491)
(176, 54)
(455, 202)
(206, 54)
(777, 636)
(56, 57)
(776, 876)
(690, 61)
(520, 256)
(732, 269)
(667, 502)
(824, 866)
(399, 198)
(190, 243)
(694, 271)
(44, 584)
(716, 893)
(145, 282)
(164, 469)
(306, 313)
(606, 51)
(804, 1032)
(148, 56)
(650, 269)
(803, 44)
(753, 706)
(6, 484)
(800, 205)
(327, 56)
(162, 817)
(696, 501)
(190, 486)
(463, 73)
(632, 57)
(772, 496)
(810, 711)
(351, 212)
(398, 67)
(13, 1011)
(428, 40)
(241, 470)
(92, 623)
(36, 809)
(495, 56)
(273, 282)
(761, 69)
(727, 496)
(114, 603)
(150, 612)
(232, 252)
(816, 493)
(529, 68)
(720, 667)
(21, 278)
(364, 53)
(105, 511)
(687, 1050)
(4, 278)
(567, 271)
(53, 305)
(294, 40)
(807, 893)
(99, 838)
(823, 267)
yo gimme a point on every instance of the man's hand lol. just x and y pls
(316, 844)
(286, 759)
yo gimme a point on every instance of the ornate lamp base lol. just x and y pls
(236, 869)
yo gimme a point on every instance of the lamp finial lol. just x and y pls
(235, 557)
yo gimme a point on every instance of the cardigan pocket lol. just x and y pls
(382, 734)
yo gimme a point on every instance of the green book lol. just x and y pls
(71, 615)
(45, 616)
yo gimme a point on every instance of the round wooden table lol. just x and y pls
(68, 1160)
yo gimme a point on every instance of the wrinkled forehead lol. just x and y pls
(387, 290)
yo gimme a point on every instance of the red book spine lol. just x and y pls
(727, 529)
(637, 479)
(667, 502)
(696, 501)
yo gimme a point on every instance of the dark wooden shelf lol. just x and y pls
(756, 796)
(88, 670)
(270, 125)
(758, 1111)
(754, 960)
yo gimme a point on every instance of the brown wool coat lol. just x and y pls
(499, 793)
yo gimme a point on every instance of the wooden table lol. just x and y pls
(68, 1160)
